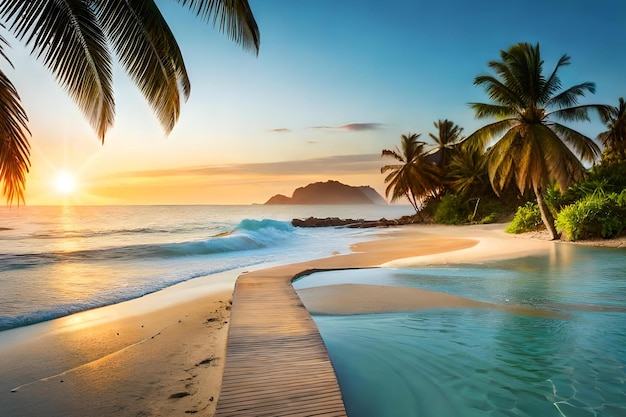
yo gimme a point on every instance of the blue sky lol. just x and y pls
(335, 82)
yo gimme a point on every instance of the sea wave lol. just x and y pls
(101, 299)
(249, 234)
(90, 233)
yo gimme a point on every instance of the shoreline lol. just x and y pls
(154, 355)
(163, 354)
(615, 242)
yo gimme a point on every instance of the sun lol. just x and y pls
(65, 183)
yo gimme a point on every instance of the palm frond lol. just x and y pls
(148, 52)
(234, 17)
(480, 139)
(561, 162)
(3, 43)
(14, 147)
(523, 72)
(581, 113)
(531, 161)
(553, 83)
(394, 154)
(66, 35)
(498, 91)
(486, 110)
(390, 167)
(584, 147)
(500, 159)
(510, 82)
(603, 111)
(570, 96)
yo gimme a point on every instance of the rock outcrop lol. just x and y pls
(356, 223)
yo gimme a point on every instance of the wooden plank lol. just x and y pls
(276, 361)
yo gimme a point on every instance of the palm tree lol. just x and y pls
(467, 172)
(72, 38)
(531, 147)
(614, 139)
(449, 135)
(415, 177)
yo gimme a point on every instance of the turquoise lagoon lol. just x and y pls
(470, 363)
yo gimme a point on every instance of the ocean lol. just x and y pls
(55, 261)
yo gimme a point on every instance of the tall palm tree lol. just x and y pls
(531, 147)
(614, 139)
(414, 177)
(449, 134)
(73, 39)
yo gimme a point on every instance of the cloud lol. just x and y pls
(336, 164)
(353, 127)
(359, 127)
(280, 130)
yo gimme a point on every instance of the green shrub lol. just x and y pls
(490, 218)
(527, 218)
(593, 216)
(450, 210)
(555, 200)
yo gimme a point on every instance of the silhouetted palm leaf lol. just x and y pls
(69, 39)
(148, 52)
(72, 38)
(14, 147)
(233, 17)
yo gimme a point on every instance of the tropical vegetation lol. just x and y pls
(76, 41)
(527, 164)
(602, 215)
(527, 218)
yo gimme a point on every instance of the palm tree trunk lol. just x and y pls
(413, 201)
(546, 215)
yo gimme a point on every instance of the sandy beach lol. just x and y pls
(163, 354)
(158, 355)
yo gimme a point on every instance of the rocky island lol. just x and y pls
(330, 192)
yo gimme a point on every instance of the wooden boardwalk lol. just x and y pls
(276, 361)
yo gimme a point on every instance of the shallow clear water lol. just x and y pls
(447, 363)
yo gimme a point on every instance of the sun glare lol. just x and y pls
(65, 183)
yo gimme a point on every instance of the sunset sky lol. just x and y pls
(335, 82)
